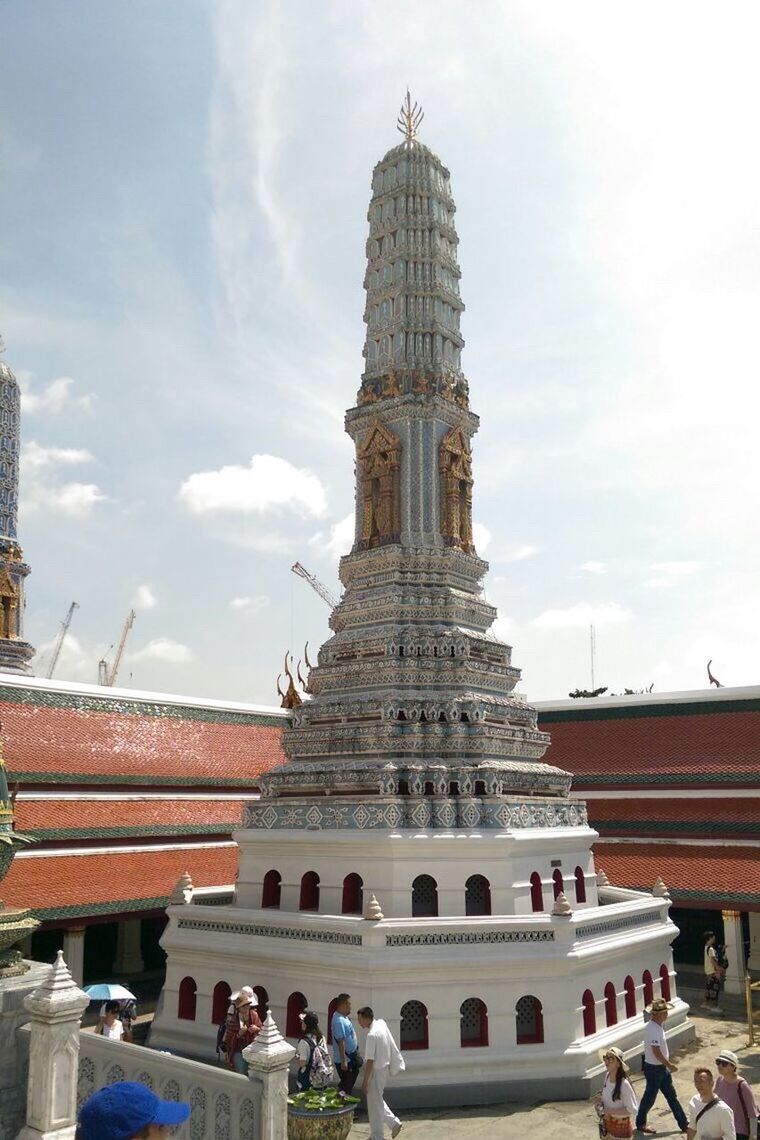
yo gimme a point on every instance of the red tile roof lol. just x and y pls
(60, 819)
(671, 816)
(69, 738)
(67, 886)
(695, 875)
(662, 745)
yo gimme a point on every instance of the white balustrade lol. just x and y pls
(225, 1105)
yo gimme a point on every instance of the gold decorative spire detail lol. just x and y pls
(409, 119)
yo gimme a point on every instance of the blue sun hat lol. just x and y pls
(120, 1110)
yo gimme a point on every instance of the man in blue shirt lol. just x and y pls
(345, 1045)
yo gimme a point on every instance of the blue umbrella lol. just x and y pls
(108, 991)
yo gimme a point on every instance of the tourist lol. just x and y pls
(737, 1094)
(345, 1046)
(315, 1069)
(619, 1104)
(127, 1110)
(714, 974)
(110, 1024)
(243, 1027)
(382, 1059)
(710, 1118)
(658, 1067)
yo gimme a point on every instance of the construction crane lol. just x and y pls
(106, 675)
(61, 638)
(316, 585)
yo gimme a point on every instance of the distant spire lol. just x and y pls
(409, 119)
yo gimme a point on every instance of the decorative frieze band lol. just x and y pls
(469, 937)
(614, 925)
(256, 930)
(413, 813)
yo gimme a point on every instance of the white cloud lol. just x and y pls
(594, 567)
(144, 598)
(668, 574)
(33, 456)
(340, 538)
(40, 493)
(481, 536)
(164, 649)
(517, 553)
(583, 615)
(75, 499)
(268, 484)
(53, 399)
(75, 662)
(250, 605)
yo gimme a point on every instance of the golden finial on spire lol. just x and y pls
(409, 119)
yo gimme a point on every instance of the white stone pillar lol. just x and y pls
(268, 1060)
(754, 943)
(56, 1009)
(73, 952)
(734, 943)
(128, 950)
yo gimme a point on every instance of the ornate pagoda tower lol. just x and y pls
(415, 850)
(15, 652)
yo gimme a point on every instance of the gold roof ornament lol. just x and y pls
(409, 119)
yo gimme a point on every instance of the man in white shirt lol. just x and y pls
(657, 1069)
(710, 1118)
(382, 1059)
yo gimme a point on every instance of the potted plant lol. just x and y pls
(320, 1114)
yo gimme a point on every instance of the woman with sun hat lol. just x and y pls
(618, 1106)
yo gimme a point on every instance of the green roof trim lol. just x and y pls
(662, 826)
(118, 906)
(143, 779)
(86, 702)
(614, 779)
(635, 712)
(158, 829)
(726, 900)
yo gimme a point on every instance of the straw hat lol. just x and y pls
(613, 1051)
(245, 996)
(729, 1057)
(659, 1005)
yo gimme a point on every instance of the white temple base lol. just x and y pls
(438, 961)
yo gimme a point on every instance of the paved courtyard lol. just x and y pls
(573, 1120)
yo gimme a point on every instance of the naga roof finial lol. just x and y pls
(409, 119)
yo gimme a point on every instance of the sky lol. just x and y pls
(184, 188)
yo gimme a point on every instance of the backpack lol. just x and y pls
(221, 1033)
(721, 957)
(129, 1010)
(319, 1069)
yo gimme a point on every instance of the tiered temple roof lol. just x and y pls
(124, 791)
(672, 785)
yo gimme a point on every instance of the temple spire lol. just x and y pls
(409, 119)
(15, 653)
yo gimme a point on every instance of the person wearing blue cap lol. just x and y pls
(127, 1110)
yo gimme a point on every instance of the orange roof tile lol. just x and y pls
(695, 875)
(671, 816)
(79, 885)
(59, 819)
(78, 741)
(665, 746)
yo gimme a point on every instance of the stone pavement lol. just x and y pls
(575, 1120)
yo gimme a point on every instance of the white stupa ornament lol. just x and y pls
(601, 879)
(183, 890)
(562, 908)
(659, 890)
(372, 911)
